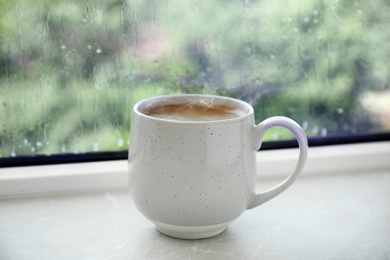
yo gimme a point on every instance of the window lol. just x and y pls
(70, 71)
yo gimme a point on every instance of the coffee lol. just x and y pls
(194, 112)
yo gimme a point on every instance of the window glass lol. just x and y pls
(70, 71)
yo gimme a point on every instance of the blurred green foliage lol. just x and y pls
(70, 71)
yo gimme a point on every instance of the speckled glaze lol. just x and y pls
(193, 178)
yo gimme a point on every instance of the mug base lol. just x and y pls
(190, 232)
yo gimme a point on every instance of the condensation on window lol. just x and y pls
(70, 71)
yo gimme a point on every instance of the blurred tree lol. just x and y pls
(310, 60)
(71, 71)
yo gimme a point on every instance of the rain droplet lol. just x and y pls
(315, 21)
(315, 12)
(340, 110)
(305, 124)
(324, 132)
(315, 130)
(13, 154)
(360, 12)
(89, 47)
(63, 148)
(33, 149)
(38, 144)
(96, 147)
(63, 47)
(248, 50)
(306, 20)
(120, 142)
(98, 51)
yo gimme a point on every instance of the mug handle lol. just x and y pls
(258, 135)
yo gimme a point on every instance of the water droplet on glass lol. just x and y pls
(258, 82)
(296, 29)
(324, 132)
(315, 21)
(289, 19)
(25, 141)
(98, 51)
(96, 147)
(85, 20)
(340, 110)
(120, 142)
(360, 12)
(306, 20)
(315, 12)
(38, 144)
(315, 130)
(63, 148)
(63, 47)
(305, 124)
(33, 149)
(13, 154)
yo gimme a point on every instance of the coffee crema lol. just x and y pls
(194, 112)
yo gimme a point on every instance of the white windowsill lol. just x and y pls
(112, 175)
(338, 209)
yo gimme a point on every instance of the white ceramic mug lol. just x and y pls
(191, 179)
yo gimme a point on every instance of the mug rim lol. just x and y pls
(246, 107)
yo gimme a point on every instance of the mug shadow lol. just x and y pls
(227, 245)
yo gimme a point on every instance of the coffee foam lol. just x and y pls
(194, 112)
